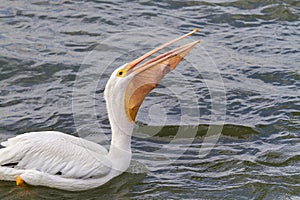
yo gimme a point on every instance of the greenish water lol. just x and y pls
(224, 125)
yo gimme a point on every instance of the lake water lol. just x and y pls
(224, 125)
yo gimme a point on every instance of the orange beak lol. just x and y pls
(149, 74)
(134, 63)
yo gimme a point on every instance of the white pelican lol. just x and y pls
(62, 161)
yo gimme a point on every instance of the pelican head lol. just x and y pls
(129, 84)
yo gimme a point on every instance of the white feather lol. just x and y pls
(54, 152)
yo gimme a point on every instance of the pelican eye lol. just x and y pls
(121, 73)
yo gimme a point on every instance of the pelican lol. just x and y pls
(57, 160)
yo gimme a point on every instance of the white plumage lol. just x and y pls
(62, 161)
(74, 157)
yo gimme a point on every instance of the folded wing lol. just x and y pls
(57, 154)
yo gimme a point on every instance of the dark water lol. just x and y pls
(242, 81)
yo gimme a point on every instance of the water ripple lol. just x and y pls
(254, 45)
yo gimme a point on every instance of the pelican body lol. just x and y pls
(66, 162)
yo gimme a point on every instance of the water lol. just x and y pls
(56, 56)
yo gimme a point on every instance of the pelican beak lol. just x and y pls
(149, 74)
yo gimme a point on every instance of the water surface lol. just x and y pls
(56, 57)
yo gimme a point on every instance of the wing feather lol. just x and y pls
(56, 153)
